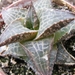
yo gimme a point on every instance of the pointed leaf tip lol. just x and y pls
(16, 32)
(52, 20)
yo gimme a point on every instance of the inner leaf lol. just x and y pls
(32, 21)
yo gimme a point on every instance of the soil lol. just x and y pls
(15, 66)
(70, 45)
(64, 70)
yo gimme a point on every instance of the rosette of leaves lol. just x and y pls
(33, 33)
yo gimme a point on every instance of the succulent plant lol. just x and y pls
(37, 32)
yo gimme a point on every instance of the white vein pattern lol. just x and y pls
(41, 4)
(49, 17)
(15, 49)
(39, 50)
(14, 13)
(16, 28)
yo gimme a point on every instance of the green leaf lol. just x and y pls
(52, 20)
(32, 21)
(63, 31)
(13, 13)
(16, 32)
(38, 51)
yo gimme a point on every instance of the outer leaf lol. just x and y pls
(63, 56)
(70, 6)
(38, 51)
(14, 13)
(16, 32)
(52, 20)
(20, 4)
(14, 49)
(63, 31)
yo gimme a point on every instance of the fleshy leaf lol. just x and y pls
(14, 49)
(16, 32)
(14, 13)
(32, 21)
(41, 4)
(51, 20)
(38, 51)
(63, 56)
(63, 31)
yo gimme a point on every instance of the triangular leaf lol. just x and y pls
(63, 31)
(16, 32)
(32, 21)
(14, 13)
(51, 20)
(63, 56)
(38, 51)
